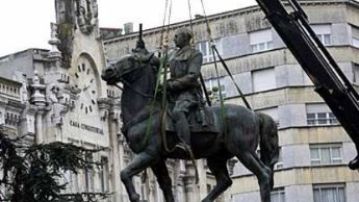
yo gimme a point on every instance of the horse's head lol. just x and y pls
(119, 70)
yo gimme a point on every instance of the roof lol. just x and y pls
(14, 82)
(23, 52)
(225, 14)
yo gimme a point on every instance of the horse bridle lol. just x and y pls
(135, 90)
(126, 83)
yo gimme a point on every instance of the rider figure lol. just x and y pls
(184, 85)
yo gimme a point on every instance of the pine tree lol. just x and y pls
(31, 173)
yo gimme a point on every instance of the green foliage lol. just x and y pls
(31, 173)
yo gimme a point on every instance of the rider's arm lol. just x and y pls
(190, 80)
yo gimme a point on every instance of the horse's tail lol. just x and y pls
(269, 148)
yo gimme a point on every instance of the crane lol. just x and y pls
(329, 80)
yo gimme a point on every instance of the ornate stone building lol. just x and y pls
(57, 95)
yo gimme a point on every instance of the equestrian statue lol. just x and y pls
(183, 127)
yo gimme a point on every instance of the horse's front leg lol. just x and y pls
(138, 164)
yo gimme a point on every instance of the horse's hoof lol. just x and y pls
(354, 164)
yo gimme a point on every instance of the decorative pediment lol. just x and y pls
(86, 12)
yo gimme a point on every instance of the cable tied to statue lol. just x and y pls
(216, 54)
(163, 69)
(164, 47)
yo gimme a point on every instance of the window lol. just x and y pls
(326, 154)
(89, 181)
(205, 48)
(263, 79)
(329, 193)
(320, 114)
(355, 36)
(279, 164)
(261, 40)
(110, 93)
(212, 86)
(324, 33)
(321, 118)
(356, 73)
(355, 42)
(104, 174)
(278, 195)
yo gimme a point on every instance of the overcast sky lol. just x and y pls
(26, 23)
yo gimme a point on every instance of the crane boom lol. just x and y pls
(329, 81)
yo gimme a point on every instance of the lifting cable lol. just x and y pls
(167, 14)
(212, 45)
(163, 49)
(190, 18)
(193, 43)
(164, 67)
(216, 54)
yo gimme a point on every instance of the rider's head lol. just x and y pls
(183, 37)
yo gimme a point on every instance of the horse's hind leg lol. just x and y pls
(138, 164)
(263, 173)
(163, 179)
(218, 167)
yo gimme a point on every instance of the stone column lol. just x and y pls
(191, 188)
(179, 194)
(118, 150)
(113, 128)
(38, 99)
(202, 174)
(122, 156)
(39, 138)
(226, 196)
(178, 181)
(151, 186)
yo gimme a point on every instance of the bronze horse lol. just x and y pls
(240, 133)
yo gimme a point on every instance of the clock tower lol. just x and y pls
(79, 110)
(82, 60)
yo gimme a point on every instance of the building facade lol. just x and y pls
(315, 149)
(57, 95)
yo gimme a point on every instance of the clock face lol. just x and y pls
(85, 116)
(85, 80)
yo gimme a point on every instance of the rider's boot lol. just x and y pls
(184, 134)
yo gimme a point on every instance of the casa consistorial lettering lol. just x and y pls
(86, 127)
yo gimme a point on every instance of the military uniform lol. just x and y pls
(185, 69)
(185, 89)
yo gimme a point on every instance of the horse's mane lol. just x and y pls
(142, 79)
